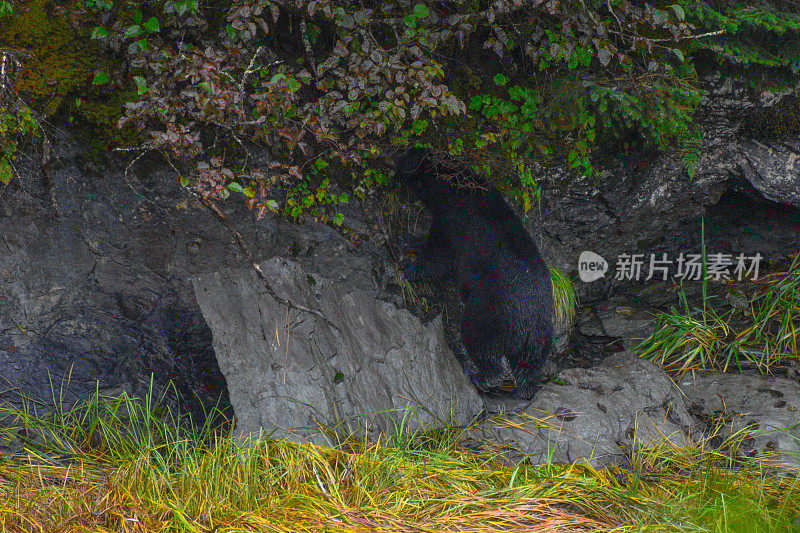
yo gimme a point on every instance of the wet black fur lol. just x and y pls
(505, 285)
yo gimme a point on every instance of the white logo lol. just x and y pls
(591, 267)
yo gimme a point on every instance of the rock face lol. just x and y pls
(597, 415)
(747, 188)
(95, 292)
(339, 358)
(769, 407)
(773, 169)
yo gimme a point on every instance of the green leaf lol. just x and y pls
(206, 86)
(99, 32)
(499, 79)
(320, 163)
(410, 20)
(100, 78)
(679, 55)
(141, 84)
(249, 192)
(142, 44)
(152, 25)
(235, 187)
(338, 218)
(516, 93)
(6, 10)
(277, 77)
(419, 126)
(231, 32)
(294, 85)
(421, 11)
(137, 16)
(184, 181)
(678, 10)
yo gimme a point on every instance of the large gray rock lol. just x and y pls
(339, 358)
(768, 407)
(596, 415)
(95, 291)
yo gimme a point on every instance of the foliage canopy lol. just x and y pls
(320, 81)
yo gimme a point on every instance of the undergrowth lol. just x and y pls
(121, 465)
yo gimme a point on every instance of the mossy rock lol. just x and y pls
(55, 59)
(57, 64)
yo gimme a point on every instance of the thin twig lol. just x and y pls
(698, 36)
(250, 68)
(611, 10)
(214, 208)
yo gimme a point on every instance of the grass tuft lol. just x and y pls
(693, 339)
(564, 298)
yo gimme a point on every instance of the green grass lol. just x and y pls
(565, 301)
(123, 465)
(694, 338)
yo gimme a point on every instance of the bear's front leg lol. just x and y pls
(430, 265)
(435, 258)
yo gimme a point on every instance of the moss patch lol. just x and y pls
(55, 60)
(57, 63)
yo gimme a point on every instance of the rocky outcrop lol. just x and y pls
(747, 187)
(336, 362)
(773, 168)
(95, 291)
(600, 415)
(766, 408)
(597, 415)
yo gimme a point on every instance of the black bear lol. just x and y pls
(504, 284)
